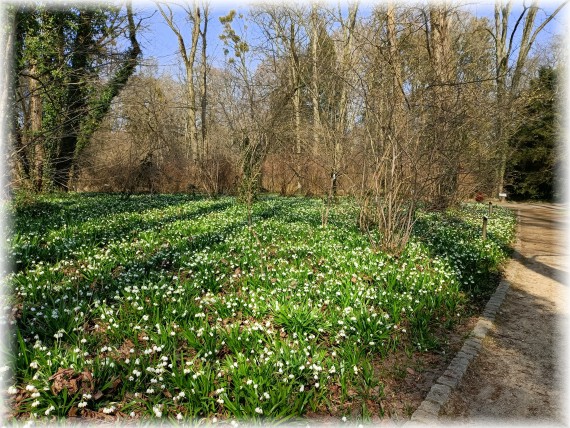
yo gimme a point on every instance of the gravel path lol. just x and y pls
(518, 376)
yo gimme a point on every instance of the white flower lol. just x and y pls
(344, 418)
(302, 388)
(179, 416)
(12, 390)
(157, 411)
(259, 410)
(34, 364)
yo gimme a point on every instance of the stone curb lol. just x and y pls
(428, 412)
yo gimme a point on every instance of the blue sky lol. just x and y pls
(159, 42)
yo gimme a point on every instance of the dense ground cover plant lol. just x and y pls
(172, 307)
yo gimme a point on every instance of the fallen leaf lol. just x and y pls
(72, 381)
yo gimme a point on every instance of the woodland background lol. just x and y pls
(401, 103)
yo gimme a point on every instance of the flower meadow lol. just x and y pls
(171, 307)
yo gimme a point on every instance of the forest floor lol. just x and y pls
(519, 374)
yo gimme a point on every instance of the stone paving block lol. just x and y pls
(430, 407)
(474, 342)
(448, 380)
(464, 355)
(439, 394)
(470, 350)
(459, 368)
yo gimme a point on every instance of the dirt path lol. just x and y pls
(518, 373)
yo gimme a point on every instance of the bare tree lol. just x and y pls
(188, 56)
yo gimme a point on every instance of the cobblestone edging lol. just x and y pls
(428, 411)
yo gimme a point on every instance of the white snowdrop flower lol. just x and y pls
(12, 390)
(132, 414)
(317, 385)
(355, 369)
(157, 411)
(83, 340)
(259, 410)
(34, 364)
(302, 388)
(36, 394)
(214, 420)
(266, 395)
(36, 403)
(344, 418)
(31, 388)
(49, 410)
(249, 382)
(179, 416)
(82, 404)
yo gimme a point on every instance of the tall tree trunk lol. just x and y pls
(443, 129)
(315, 78)
(75, 103)
(296, 84)
(204, 87)
(188, 57)
(34, 137)
(82, 124)
(343, 99)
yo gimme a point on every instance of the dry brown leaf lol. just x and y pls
(72, 381)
